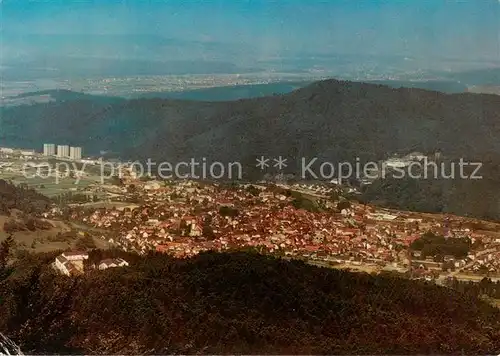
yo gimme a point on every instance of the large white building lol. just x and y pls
(75, 152)
(49, 149)
(112, 262)
(62, 151)
(71, 263)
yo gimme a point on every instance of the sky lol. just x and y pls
(467, 30)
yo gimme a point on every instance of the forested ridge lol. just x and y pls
(333, 121)
(21, 197)
(237, 302)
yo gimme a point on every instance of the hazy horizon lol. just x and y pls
(248, 36)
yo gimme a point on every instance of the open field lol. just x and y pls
(360, 268)
(44, 241)
(49, 187)
(49, 184)
(346, 266)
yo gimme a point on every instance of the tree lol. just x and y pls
(345, 204)
(334, 195)
(115, 180)
(252, 190)
(228, 211)
(85, 242)
(208, 231)
(5, 248)
(183, 228)
(30, 224)
(306, 204)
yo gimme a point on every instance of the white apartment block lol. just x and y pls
(62, 151)
(112, 262)
(49, 149)
(75, 153)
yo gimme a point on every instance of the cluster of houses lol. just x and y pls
(183, 219)
(487, 260)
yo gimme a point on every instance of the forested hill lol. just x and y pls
(21, 198)
(331, 120)
(236, 303)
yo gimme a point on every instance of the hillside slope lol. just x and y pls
(237, 303)
(331, 120)
(21, 198)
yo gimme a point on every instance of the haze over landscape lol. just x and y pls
(47, 45)
(324, 181)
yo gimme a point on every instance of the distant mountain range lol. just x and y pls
(337, 118)
(331, 120)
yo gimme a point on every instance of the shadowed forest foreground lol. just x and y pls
(235, 303)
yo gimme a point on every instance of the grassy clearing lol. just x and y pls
(43, 240)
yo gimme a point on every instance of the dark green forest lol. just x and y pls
(486, 287)
(439, 246)
(236, 303)
(21, 197)
(461, 196)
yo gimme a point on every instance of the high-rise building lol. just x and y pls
(75, 152)
(49, 149)
(62, 151)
